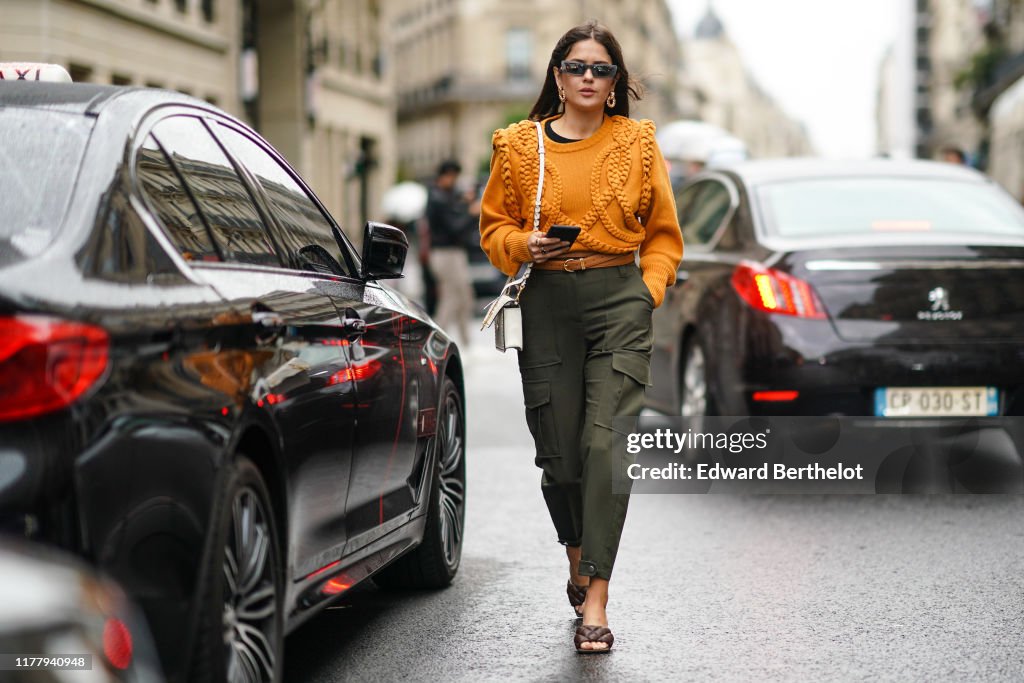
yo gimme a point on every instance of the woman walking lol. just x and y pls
(587, 306)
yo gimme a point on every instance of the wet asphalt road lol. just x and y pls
(707, 587)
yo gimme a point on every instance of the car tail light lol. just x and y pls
(773, 291)
(775, 396)
(46, 364)
(117, 643)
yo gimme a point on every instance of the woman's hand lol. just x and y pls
(543, 248)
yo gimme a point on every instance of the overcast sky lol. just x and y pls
(818, 59)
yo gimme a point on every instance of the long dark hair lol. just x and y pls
(548, 103)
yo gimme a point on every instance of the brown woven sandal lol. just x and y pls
(577, 595)
(593, 634)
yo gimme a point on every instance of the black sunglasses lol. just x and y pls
(580, 68)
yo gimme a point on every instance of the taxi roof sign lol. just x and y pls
(33, 71)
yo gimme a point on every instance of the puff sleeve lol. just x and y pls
(662, 248)
(503, 235)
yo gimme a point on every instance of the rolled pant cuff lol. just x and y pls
(588, 568)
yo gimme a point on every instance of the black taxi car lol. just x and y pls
(204, 390)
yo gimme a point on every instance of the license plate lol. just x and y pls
(936, 401)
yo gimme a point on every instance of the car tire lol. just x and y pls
(435, 561)
(241, 633)
(695, 399)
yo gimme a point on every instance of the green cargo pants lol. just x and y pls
(585, 360)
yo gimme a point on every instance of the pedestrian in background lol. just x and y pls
(449, 220)
(952, 154)
(586, 308)
(422, 229)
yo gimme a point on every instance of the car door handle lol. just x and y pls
(354, 327)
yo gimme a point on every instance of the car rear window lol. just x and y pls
(40, 152)
(872, 206)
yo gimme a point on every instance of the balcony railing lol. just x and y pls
(453, 88)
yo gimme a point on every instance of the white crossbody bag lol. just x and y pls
(504, 312)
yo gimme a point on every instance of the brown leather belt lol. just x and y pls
(571, 265)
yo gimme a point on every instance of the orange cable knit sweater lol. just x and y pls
(614, 185)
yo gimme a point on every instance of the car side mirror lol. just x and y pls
(384, 250)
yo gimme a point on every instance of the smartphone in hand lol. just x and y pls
(566, 233)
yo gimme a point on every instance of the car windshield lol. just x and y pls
(873, 206)
(40, 153)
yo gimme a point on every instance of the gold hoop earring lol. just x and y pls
(611, 100)
(561, 94)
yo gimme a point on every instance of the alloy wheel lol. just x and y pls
(694, 389)
(250, 592)
(451, 446)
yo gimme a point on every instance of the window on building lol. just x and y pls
(207, 7)
(181, 5)
(120, 79)
(924, 119)
(518, 48)
(80, 73)
(342, 52)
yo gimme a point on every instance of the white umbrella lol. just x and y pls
(404, 202)
(725, 151)
(698, 141)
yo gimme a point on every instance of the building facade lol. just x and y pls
(969, 66)
(895, 127)
(184, 45)
(725, 94)
(349, 107)
(1000, 96)
(308, 74)
(946, 34)
(466, 67)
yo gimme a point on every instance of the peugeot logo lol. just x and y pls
(939, 298)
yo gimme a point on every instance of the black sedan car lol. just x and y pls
(812, 287)
(204, 391)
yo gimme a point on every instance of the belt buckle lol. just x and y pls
(566, 268)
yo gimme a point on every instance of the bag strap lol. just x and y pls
(518, 281)
(536, 205)
(540, 176)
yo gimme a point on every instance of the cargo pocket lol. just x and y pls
(633, 364)
(624, 390)
(540, 418)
